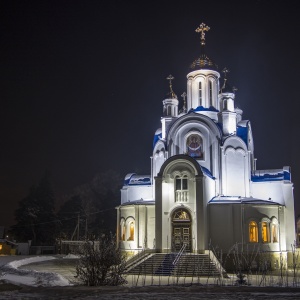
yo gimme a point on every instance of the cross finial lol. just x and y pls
(170, 78)
(202, 28)
(183, 95)
(225, 71)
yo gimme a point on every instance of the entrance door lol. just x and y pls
(181, 235)
(181, 223)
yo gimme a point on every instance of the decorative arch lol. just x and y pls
(181, 229)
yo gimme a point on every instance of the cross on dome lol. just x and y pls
(172, 94)
(201, 29)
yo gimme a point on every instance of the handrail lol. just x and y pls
(179, 254)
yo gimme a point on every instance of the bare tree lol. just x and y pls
(101, 263)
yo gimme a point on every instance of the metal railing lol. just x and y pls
(179, 254)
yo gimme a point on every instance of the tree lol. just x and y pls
(95, 201)
(68, 216)
(101, 263)
(36, 219)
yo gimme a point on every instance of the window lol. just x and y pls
(181, 189)
(274, 233)
(210, 93)
(265, 235)
(253, 236)
(200, 93)
(131, 232)
(122, 230)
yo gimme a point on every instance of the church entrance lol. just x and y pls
(181, 230)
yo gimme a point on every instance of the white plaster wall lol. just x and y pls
(135, 192)
(268, 190)
(205, 76)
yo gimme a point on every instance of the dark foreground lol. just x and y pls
(10, 291)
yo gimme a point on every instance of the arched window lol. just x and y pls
(131, 232)
(181, 189)
(210, 93)
(265, 232)
(274, 231)
(253, 232)
(200, 93)
(122, 231)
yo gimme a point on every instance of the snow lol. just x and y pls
(12, 273)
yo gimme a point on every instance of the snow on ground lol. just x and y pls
(10, 272)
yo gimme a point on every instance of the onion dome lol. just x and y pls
(203, 62)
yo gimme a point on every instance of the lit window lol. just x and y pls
(122, 231)
(265, 232)
(131, 232)
(253, 236)
(0, 247)
(274, 233)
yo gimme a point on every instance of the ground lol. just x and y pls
(52, 277)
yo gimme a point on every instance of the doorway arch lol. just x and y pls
(181, 230)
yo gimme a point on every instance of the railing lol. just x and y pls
(179, 254)
(182, 196)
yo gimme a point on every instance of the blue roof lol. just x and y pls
(242, 132)
(134, 179)
(207, 172)
(284, 175)
(156, 138)
(201, 108)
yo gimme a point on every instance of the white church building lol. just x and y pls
(204, 189)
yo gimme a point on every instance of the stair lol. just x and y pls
(161, 264)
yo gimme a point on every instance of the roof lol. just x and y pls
(134, 179)
(241, 200)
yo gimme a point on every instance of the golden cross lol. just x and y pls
(202, 28)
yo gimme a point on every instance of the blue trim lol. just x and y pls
(207, 172)
(156, 138)
(242, 132)
(201, 108)
(271, 177)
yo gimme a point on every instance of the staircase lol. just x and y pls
(161, 264)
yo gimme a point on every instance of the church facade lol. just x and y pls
(204, 189)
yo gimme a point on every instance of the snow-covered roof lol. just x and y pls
(134, 179)
(271, 175)
(242, 130)
(139, 202)
(157, 136)
(239, 200)
(201, 108)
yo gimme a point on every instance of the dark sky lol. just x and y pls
(82, 83)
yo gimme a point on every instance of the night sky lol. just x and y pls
(82, 83)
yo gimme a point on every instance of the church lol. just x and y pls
(203, 189)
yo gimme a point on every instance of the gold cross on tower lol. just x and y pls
(202, 28)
